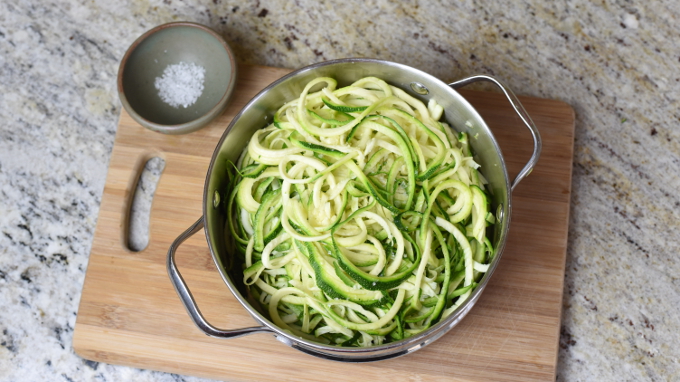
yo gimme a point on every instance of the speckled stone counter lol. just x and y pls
(616, 62)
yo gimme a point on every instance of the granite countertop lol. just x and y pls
(616, 62)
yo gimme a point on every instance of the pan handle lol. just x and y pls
(523, 115)
(188, 300)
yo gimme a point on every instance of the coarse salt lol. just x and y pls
(181, 84)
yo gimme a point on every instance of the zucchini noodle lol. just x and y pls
(360, 218)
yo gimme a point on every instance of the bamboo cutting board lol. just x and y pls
(130, 314)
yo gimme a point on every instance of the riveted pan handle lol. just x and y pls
(188, 300)
(523, 115)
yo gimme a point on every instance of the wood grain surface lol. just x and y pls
(130, 314)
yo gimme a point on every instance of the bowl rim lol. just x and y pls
(196, 123)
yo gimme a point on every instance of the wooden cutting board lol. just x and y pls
(130, 314)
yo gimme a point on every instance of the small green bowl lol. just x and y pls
(172, 44)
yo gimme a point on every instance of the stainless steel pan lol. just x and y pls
(258, 113)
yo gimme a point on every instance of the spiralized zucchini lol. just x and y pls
(360, 217)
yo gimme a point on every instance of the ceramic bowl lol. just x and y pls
(182, 45)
